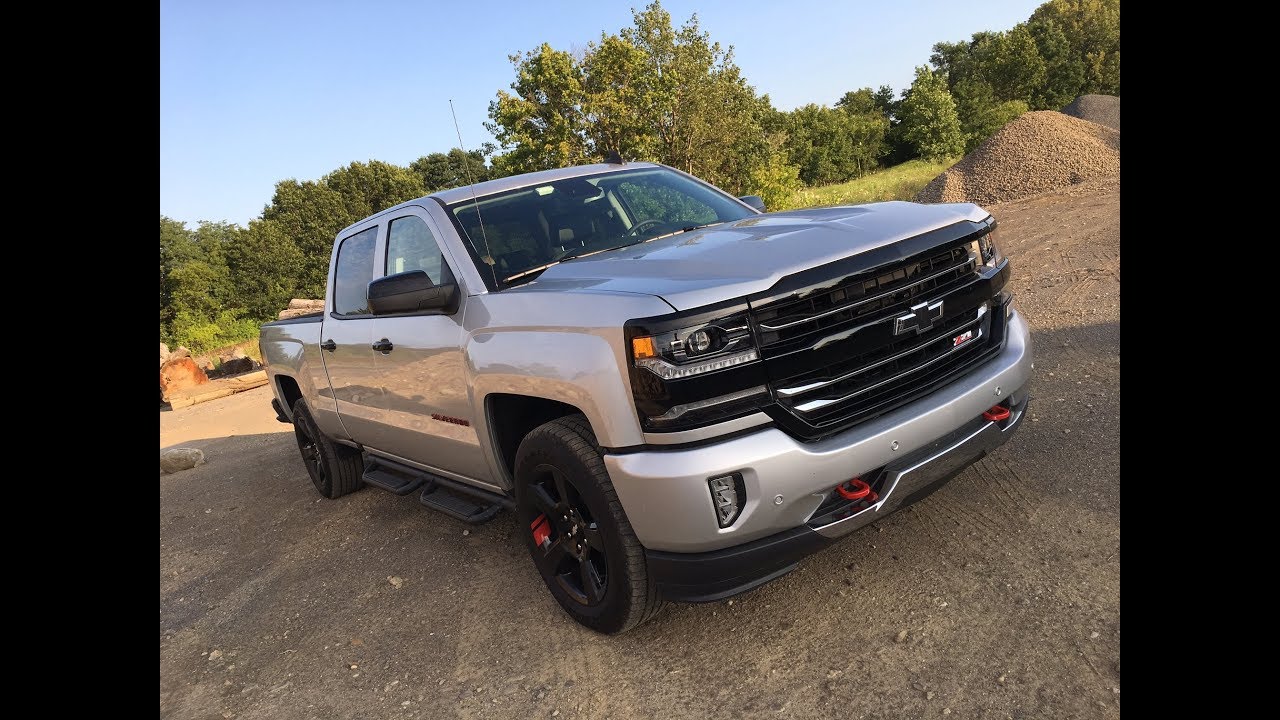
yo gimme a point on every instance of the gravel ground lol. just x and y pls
(997, 597)
(1037, 152)
(1100, 109)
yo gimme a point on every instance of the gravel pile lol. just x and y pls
(1101, 109)
(1037, 152)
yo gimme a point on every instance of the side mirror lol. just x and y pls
(411, 292)
(754, 201)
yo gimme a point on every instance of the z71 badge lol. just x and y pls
(962, 338)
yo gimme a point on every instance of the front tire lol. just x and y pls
(335, 470)
(589, 557)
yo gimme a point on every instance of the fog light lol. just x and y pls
(727, 494)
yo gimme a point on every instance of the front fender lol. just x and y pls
(579, 368)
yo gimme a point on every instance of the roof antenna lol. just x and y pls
(613, 157)
(488, 256)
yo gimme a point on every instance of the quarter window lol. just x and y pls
(411, 246)
(353, 274)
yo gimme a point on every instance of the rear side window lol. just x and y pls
(411, 246)
(353, 274)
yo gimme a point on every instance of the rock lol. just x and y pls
(928, 695)
(1034, 153)
(164, 353)
(298, 307)
(1093, 635)
(395, 581)
(215, 654)
(235, 366)
(238, 353)
(946, 711)
(901, 638)
(181, 352)
(466, 533)
(179, 374)
(177, 459)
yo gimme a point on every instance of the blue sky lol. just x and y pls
(253, 92)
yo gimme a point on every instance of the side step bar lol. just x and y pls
(455, 499)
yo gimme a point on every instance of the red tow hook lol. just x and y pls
(997, 413)
(859, 489)
(859, 492)
(541, 531)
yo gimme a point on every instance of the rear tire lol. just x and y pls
(335, 470)
(591, 560)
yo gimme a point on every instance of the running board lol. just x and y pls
(451, 497)
(393, 480)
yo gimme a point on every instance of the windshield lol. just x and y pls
(531, 228)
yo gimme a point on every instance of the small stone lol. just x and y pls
(902, 637)
(215, 654)
(946, 711)
(466, 533)
(1066, 431)
(928, 695)
(1000, 679)
(730, 602)
(396, 582)
(178, 459)
(1093, 635)
(555, 713)
(208, 510)
(406, 703)
(352, 667)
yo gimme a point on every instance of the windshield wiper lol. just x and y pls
(677, 232)
(574, 253)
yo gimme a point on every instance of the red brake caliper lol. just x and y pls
(541, 531)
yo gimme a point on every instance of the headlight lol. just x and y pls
(697, 349)
(986, 251)
(695, 368)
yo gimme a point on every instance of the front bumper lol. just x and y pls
(710, 576)
(669, 505)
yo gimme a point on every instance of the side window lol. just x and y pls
(411, 246)
(354, 272)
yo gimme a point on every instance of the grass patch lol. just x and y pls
(900, 182)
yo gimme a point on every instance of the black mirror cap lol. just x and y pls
(411, 292)
(754, 201)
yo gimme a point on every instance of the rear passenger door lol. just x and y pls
(346, 334)
(425, 409)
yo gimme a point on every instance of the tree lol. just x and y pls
(930, 125)
(833, 145)
(540, 125)
(266, 268)
(440, 171)
(1064, 70)
(1092, 30)
(980, 113)
(650, 92)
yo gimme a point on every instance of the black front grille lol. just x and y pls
(829, 347)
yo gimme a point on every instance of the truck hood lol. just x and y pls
(746, 256)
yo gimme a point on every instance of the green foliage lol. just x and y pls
(1065, 49)
(930, 125)
(833, 145)
(440, 171)
(1092, 32)
(900, 182)
(202, 335)
(650, 92)
(981, 114)
(775, 182)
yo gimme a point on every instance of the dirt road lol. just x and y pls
(276, 604)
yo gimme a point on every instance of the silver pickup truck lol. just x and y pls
(678, 394)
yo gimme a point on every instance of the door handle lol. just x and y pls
(329, 345)
(384, 346)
